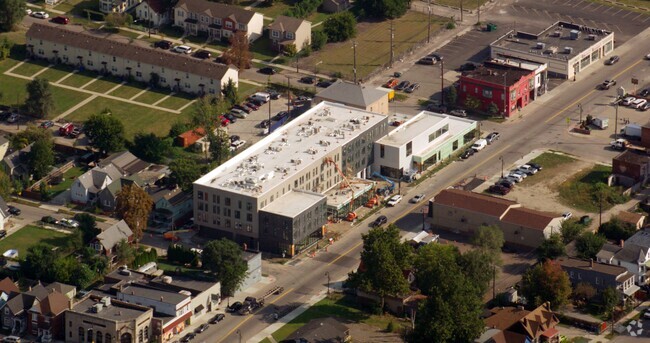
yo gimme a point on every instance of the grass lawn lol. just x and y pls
(373, 45)
(467, 5)
(29, 236)
(152, 96)
(68, 177)
(135, 118)
(265, 340)
(176, 102)
(64, 99)
(261, 49)
(55, 73)
(127, 91)
(336, 305)
(30, 68)
(581, 192)
(102, 85)
(79, 79)
(278, 8)
(246, 89)
(18, 37)
(551, 164)
(170, 267)
(130, 34)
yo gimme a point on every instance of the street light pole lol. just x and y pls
(238, 333)
(580, 108)
(429, 23)
(616, 122)
(328, 282)
(392, 36)
(501, 158)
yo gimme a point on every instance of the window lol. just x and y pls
(239, 204)
(138, 74)
(199, 195)
(65, 48)
(249, 206)
(237, 214)
(226, 201)
(513, 94)
(289, 35)
(229, 24)
(382, 150)
(140, 336)
(217, 21)
(275, 34)
(180, 14)
(409, 149)
(89, 62)
(146, 333)
(34, 317)
(82, 333)
(487, 93)
(100, 337)
(241, 26)
(249, 217)
(90, 53)
(163, 80)
(454, 145)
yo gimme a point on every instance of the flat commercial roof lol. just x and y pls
(290, 149)
(422, 121)
(555, 38)
(293, 203)
(173, 298)
(112, 312)
(337, 197)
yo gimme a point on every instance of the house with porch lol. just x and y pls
(599, 275)
(515, 325)
(155, 12)
(288, 30)
(172, 207)
(217, 20)
(106, 242)
(633, 254)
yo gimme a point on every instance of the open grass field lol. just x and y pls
(246, 89)
(135, 118)
(55, 73)
(69, 177)
(336, 305)
(102, 85)
(152, 96)
(29, 236)
(79, 79)
(582, 190)
(127, 91)
(551, 164)
(176, 101)
(261, 49)
(467, 4)
(30, 68)
(373, 45)
(64, 99)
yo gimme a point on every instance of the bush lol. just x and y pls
(340, 27)
(303, 8)
(390, 327)
(318, 39)
(617, 230)
(181, 255)
(451, 25)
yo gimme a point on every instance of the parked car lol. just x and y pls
(607, 84)
(230, 117)
(437, 108)
(436, 55)
(219, 317)
(416, 199)
(628, 101)
(394, 200)
(518, 172)
(163, 44)
(13, 210)
(506, 183)
(517, 177)
(467, 153)
(13, 118)
(323, 84)
(268, 71)
(274, 94)
(645, 92)
(40, 15)
(402, 85)
(252, 106)
(639, 103)
(244, 108)
(237, 144)
(307, 79)
(458, 113)
(70, 223)
(479, 144)
(49, 220)
(412, 87)
(234, 307)
(535, 165)
(391, 83)
(467, 67)
(28, 11)
(265, 123)
(498, 189)
(238, 113)
(3, 233)
(567, 215)
(527, 169)
(281, 115)
(75, 132)
(234, 138)
(381, 220)
(182, 49)
(47, 124)
(427, 60)
(61, 20)
(203, 54)
(612, 60)
(508, 178)
(190, 336)
(202, 328)
(492, 136)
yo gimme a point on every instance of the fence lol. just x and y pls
(33, 192)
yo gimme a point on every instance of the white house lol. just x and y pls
(3, 213)
(87, 186)
(633, 254)
(154, 11)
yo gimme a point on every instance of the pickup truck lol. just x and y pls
(623, 144)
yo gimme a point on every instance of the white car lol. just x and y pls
(479, 144)
(567, 215)
(238, 113)
(515, 176)
(628, 101)
(40, 14)
(28, 11)
(416, 198)
(69, 223)
(517, 171)
(639, 103)
(527, 169)
(237, 144)
(183, 49)
(394, 200)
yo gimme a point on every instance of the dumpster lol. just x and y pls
(491, 27)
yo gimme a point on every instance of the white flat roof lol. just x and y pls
(293, 203)
(420, 124)
(290, 149)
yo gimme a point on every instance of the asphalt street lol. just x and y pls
(543, 125)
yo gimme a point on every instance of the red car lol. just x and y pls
(61, 20)
(224, 121)
(252, 106)
(499, 189)
(391, 83)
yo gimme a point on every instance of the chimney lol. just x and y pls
(622, 243)
(591, 263)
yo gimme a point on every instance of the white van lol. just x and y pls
(479, 144)
(12, 339)
(265, 97)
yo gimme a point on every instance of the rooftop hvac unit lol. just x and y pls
(167, 279)
(557, 33)
(568, 50)
(98, 307)
(106, 301)
(541, 45)
(574, 34)
(591, 37)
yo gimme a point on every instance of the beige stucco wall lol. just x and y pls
(74, 320)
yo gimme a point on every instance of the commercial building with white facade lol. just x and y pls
(566, 48)
(110, 54)
(421, 142)
(271, 196)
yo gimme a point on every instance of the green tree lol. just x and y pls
(383, 9)
(304, 8)
(178, 128)
(11, 13)
(546, 282)
(340, 27)
(570, 229)
(589, 244)
(224, 259)
(124, 252)
(30, 135)
(472, 103)
(609, 298)
(150, 147)
(384, 258)
(451, 95)
(184, 171)
(87, 226)
(205, 115)
(115, 20)
(63, 268)
(584, 291)
(39, 262)
(489, 237)
(40, 101)
(551, 248)
(133, 204)
(106, 132)
(479, 267)
(318, 39)
(239, 53)
(452, 298)
(40, 158)
(83, 276)
(617, 230)
(5, 50)
(290, 50)
(230, 93)
(219, 146)
(5, 185)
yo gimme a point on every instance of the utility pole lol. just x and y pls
(442, 82)
(328, 282)
(392, 36)
(461, 10)
(505, 94)
(354, 60)
(616, 122)
(580, 108)
(429, 23)
(501, 158)
(478, 7)
(288, 95)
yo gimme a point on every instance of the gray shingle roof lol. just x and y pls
(630, 253)
(349, 93)
(114, 234)
(110, 46)
(283, 23)
(217, 10)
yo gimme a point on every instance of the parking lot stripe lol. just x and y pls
(583, 21)
(536, 12)
(548, 14)
(607, 9)
(637, 17)
(646, 18)
(615, 13)
(577, 3)
(589, 4)
(618, 28)
(601, 24)
(597, 8)
(524, 9)
(626, 14)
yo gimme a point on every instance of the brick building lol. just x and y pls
(630, 167)
(489, 82)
